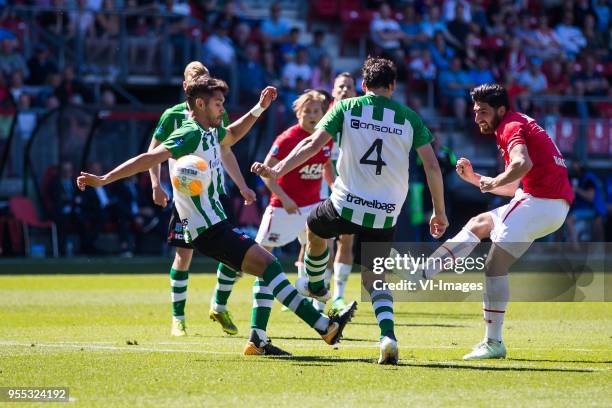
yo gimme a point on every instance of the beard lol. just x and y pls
(216, 122)
(486, 128)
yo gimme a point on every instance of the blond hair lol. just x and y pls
(306, 97)
(195, 69)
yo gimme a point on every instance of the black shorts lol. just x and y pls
(224, 243)
(325, 222)
(176, 232)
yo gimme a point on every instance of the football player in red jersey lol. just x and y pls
(293, 197)
(537, 209)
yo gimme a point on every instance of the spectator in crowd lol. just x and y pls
(595, 39)
(241, 37)
(108, 99)
(11, 60)
(414, 37)
(289, 48)
(571, 38)
(219, 52)
(458, 27)
(56, 21)
(82, 20)
(601, 8)
(454, 84)
(297, 69)
(546, 42)
(228, 16)
(105, 40)
(275, 29)
(251, 75)
(593, 81)
(64, 191)
(582, 9)
(72, 89)
(40, 66)
(482, 74)
(316, 50)
(143, 37)
(386, 33)
(433, 23)
(441, 53)
(92, 213)
(589, 203)
(323, 75)
(533, 78)
(515, 60)
(450, 10)
(26, 119)
(422, 66)
(557, 79)
(517, 93)
(270, 68)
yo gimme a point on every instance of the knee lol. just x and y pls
(315, 244)
(182, 258)
(480, 225)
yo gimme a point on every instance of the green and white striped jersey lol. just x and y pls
(374, 135)
(199, 213)
(172, 119)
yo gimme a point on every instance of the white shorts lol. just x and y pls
(524, 219)
(278, 228)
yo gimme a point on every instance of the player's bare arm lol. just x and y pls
(288, 203)
(303, 151)
(438, 222)
(329, 173)
(160, 197)
(132, 166)
(230, 164)
(238, 129)
(519, 166)
(466, 173)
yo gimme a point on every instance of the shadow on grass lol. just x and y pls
(439, 315)
(494, 368)
(560, 361)
(411, 324)
(318, 339)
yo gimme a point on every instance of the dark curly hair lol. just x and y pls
(494, 95)
(203, 87)
(378, 73)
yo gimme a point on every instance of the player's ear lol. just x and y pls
(501, 111)
(364, 88)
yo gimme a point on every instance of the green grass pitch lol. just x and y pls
(74, 331)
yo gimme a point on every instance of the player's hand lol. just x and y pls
(87, 179)
(267, 96)
(290, 206)
(160, 197)
(464, 169)
(437, 225)
(263, 170)
(248, 195)
(487, 184)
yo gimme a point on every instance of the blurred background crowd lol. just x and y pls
(83, 82)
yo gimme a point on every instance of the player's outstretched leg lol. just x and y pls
(261, 263)
(382, 303)
(226, 277)
(259, 344)
(179, 275)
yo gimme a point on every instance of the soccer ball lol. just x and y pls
(191, 175)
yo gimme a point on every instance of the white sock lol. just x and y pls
(341, 274)
(302, 270)
(459, 246)
(495, 300)
(328, 275)
(262, 336)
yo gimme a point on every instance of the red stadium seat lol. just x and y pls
(323, 10)
(355, 26)
(23, 210)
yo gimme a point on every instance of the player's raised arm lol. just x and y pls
(438, 221)
(467, 173)
(132, 166)
(238, 129)
(303, 151)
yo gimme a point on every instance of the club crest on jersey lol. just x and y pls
(311, 171)
(326, 151)
(357, 124)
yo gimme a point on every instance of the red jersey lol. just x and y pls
(302, 184)
(548, 176)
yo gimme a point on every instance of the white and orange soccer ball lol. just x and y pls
(191, 175)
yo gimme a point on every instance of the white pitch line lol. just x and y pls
(136, 348)
(292, 344)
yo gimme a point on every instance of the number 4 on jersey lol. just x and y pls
(379, 162)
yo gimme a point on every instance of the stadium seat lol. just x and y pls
(23, 210)
(323, 10)
(355, 27)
